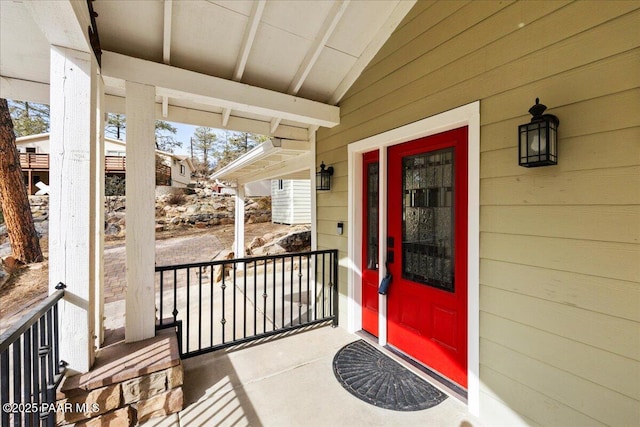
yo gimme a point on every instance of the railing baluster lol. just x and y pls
(264, 298)
(199, 307)
(273, 318)
(223, 286)
(16, 380)
(235, 288)
(188, 308)
(50, 345)
(308, 285)
(4, 385)
(315, 287)
(34, 357)
(300, 290)
(282, 284)
(244, 297)
(255, 297)
(324, 303)
(175, 296)
(43, 362)
(161, 302)
(26, 358)
(291, 293)
(211, 291)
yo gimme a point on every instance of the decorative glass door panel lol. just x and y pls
(427, 223)
(427, 214)
(370, 239)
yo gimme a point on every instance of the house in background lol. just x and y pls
(290, 201)
(171, 169)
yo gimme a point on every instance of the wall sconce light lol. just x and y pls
(340, 228)
(323, 177)
(538, 145)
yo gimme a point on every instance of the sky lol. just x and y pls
(184, 134)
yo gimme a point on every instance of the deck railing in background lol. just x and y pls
(34, 161)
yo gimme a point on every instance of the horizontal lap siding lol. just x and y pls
(560, 258)
(301, 201)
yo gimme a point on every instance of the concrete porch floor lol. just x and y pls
(289, 382)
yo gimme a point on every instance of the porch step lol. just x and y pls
(128, 383)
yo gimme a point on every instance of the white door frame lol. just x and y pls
(466, 115)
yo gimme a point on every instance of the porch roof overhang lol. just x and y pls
(273, 159)
(268, 67)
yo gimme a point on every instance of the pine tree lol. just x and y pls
(203, 144)
(29, 118)
(234, 145)
(13, 195)
(116, 126)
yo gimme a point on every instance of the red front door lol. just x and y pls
(427, 214)
(370, 186)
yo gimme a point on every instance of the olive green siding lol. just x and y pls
(559, 245)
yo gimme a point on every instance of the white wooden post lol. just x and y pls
(72, 213)
(239, 223)
(312, 183)
(99, 203)
(140, 214)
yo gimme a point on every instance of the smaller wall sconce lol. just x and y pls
(323, 178)
(340, 228)
(538, 140)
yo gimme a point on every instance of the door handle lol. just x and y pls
(386, 281)
(384, 285)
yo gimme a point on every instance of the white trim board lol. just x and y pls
(466, 115)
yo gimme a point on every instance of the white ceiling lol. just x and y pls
(294, 54)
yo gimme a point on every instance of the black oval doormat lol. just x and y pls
(377, 379)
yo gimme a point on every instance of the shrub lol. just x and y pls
(114, 186)
(176, 199)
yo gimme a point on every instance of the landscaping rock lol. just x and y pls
(296, 242)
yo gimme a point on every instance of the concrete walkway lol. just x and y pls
(174, 251)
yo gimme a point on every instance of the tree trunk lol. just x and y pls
(13, 195)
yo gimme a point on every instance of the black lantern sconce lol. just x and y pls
(323, 178)
(538, 145)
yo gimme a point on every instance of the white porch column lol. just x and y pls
(99, 203)
(312, 183)
(239, 223)
(140, 213)
(72, 213)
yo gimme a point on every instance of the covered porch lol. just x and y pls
(83, 76)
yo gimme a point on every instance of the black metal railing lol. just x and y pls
(30, 366)
(223, 303)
